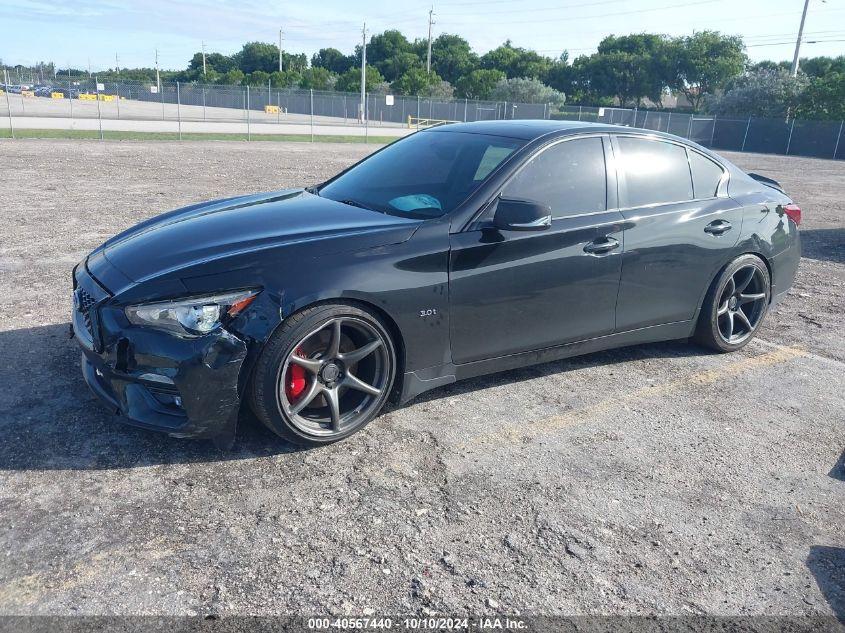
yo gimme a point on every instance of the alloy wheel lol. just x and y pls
(742, 304)
(335, 376)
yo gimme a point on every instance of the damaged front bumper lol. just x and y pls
(183, 386)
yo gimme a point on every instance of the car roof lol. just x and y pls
(531, 129)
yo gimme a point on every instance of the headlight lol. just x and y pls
(194, 316)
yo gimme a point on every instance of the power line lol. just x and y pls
(790, 42)
(608, 15)
(559, 7)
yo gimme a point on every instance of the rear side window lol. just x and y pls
(569, 177)
(655, 172)
(706, 175)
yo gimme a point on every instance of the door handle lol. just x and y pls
(601, 245)
(718, 227)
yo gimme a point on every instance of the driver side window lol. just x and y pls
(569, 177)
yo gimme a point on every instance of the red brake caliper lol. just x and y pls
(295, 382)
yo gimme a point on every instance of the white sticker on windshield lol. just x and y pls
(415, 202)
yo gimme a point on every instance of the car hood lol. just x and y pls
(212, 230)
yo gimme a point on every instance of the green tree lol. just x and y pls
(398, 65)
(452, 57)
(296, 62)
(257, 56)
(232, 78)
(318, 78)
(821, 66)
(350, 81)
(631, 68)
(479, 83)
(285, 79)
(516, 62)
(333, 60)
(220, 63)
(706, 62)
(415, 82)
(823, 98)
(765, 93)
(440, 89)
(258, 78)
(526, 90)
(383, 51)
(768, 65)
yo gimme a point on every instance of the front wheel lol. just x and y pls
(735, 305)
(324, 374)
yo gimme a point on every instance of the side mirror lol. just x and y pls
(521, 215)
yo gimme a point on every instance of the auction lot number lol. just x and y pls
(421, 624)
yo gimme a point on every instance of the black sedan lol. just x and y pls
(457, 251)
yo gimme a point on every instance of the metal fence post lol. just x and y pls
(745, 136)
(203, 103)
(366, 118)
(789, 140)
(668, 122)
(835, 147)
(117, 98)
(179, 109)
(689, 127)
(99, 118)
(70, 98)
(161, 95)
(580, 108)
(465, 109)
(713, 132)
(645, 118)
(311, 91)
(8, 103)
(248, 133)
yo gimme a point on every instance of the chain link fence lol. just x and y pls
(267, 109)
(819, 139)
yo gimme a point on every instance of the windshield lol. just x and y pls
(425, 175)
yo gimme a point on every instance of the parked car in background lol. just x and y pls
(457, 251)
(69, 93)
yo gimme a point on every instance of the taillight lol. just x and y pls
(794, 213)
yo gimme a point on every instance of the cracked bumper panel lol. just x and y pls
(186, 387)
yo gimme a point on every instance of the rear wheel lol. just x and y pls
(735, 305)
(324, 374)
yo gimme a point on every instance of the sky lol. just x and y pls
(72, 32)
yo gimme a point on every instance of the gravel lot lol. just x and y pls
(658, 479)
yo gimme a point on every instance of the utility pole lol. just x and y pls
(203, 59)
(798, 41)
(158, 77)
(89, 68)
(364, 73)
(116, 64)
(280, 50)
(430, 22)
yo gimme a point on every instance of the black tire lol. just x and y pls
(273, 403)
(734, 308)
